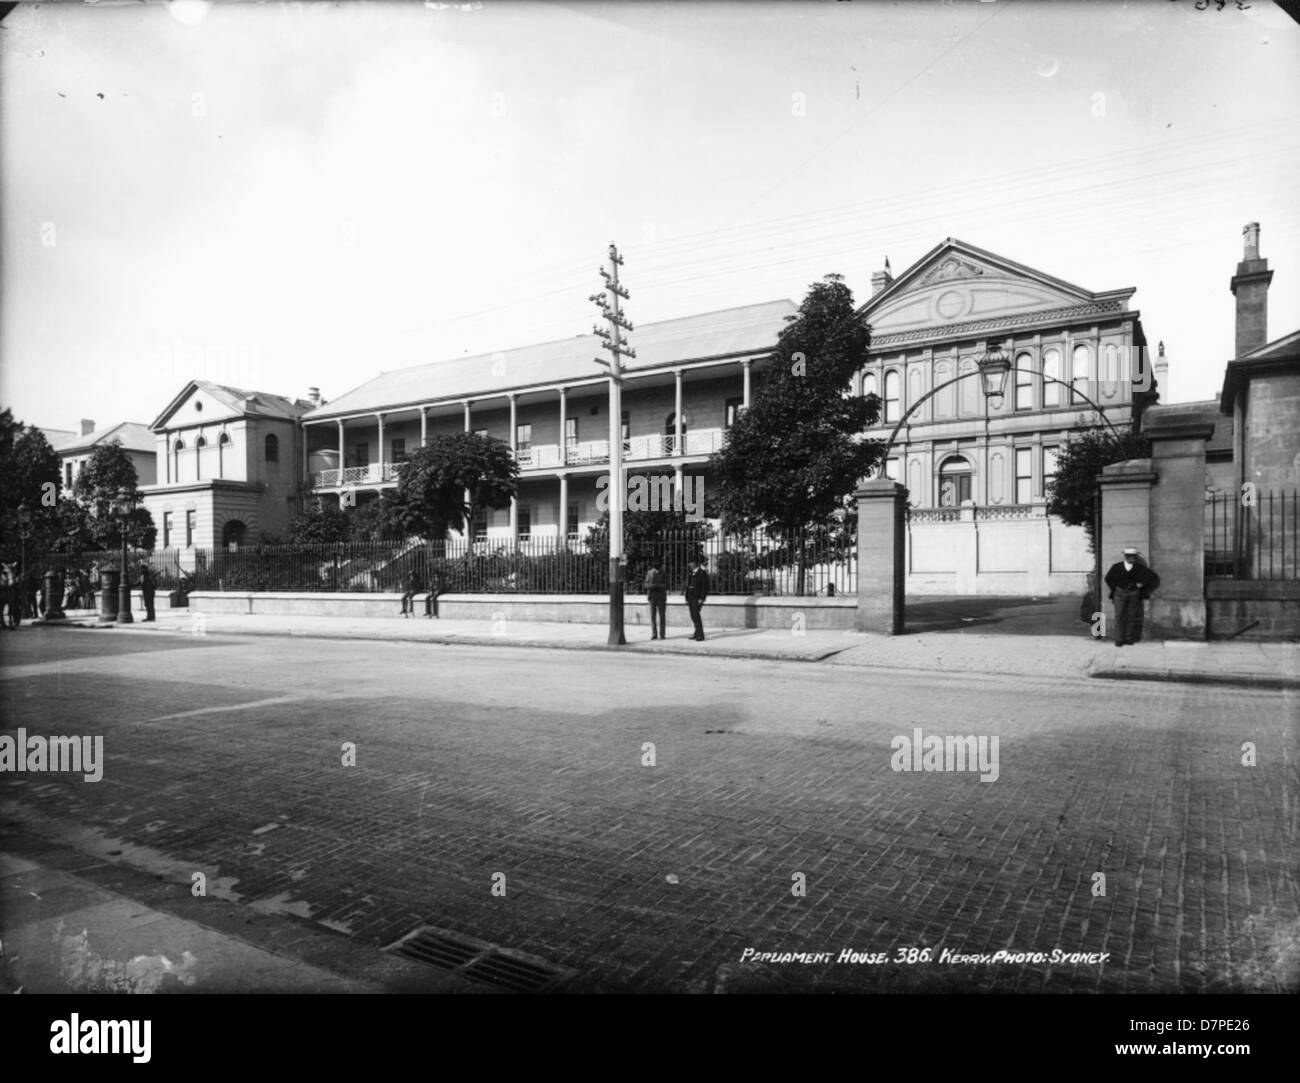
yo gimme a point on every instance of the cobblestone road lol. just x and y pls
(224, 756)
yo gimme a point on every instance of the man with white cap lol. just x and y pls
(1131, 583)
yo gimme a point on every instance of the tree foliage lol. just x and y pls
(433, 482)
(1072, 493)
(797, 453)
(29, 489)
(668, 535)
(106, 483)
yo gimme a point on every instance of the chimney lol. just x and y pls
(1250, 287)
(1160, 370)
(881, 279)
(87, 426)
(313, 393)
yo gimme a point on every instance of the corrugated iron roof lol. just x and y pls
(729, 332)
(134, 437)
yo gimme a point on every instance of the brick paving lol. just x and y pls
(223, 756)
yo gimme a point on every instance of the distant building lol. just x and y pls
(227, 466)
(1079, 361)
(550, 403)
(74, 449)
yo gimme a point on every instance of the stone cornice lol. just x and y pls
(974, 328)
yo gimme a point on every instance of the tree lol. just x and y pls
(108, 481)
(668, 535)
(433, 482)
(320, 523)
(29, 480)
(793, 457)
(1071, 496)
(382, 520)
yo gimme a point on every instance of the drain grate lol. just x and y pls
(479, 961)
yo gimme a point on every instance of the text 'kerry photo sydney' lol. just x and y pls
(583, 498)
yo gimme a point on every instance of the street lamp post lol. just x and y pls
(124, 588)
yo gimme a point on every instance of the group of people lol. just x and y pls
(414, 586)
(656, 589)
(23, 596)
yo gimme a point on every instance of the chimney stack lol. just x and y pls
(881, 279)
(313, 393)
(87, 426)
(1250, 286)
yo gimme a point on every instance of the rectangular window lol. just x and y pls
(190, 517)
(480, 527)
(480, 432)
(734, 406)
(360, 455)
(67, 475)
(570, 431)
(167, 530)
(1024, 383)
(571, 523)
(1049, 467)
(399, 451)
(891, 469)
(523, 437)
(1024, 475)
(525, 523)
(627, 430)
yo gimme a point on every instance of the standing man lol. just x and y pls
(431, 602)
(656, 589)
(147, 589)
(697, 591)
(1131, 583)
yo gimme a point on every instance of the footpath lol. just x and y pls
(1249, 664)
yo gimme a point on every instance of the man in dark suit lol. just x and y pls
(147, 590)
(1131, 583)
(656, 590)
(697, 591)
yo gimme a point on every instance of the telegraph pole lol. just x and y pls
(613, 341)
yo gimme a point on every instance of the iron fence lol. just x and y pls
(1252, 537)
(822, 564)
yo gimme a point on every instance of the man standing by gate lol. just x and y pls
(1131, 584)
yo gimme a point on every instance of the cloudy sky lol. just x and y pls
(281, 196)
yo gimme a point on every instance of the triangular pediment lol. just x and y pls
(198, 403)
(957, 283)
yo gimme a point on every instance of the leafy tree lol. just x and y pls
(668, 535)
(433, 482)
(107, 481)
(793, 457)
(1072, 493)
(320, 523)
(29, 480)
(382, 520)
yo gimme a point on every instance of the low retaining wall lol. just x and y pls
(720, 611)
(1252, 609)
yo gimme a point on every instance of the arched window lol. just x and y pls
(232, 534)
(272, 443)
(180, 445)
(954, 482)
(1052, 369)
(224, 439)
(893, 399)
(1024, 382)
(868, 383)
(200, 442)
(1079, 374)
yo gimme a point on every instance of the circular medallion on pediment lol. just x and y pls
(952, 304)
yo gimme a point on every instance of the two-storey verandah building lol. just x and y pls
(550, 403)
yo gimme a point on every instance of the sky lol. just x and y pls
(282, 196)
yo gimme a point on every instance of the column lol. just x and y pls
(881, 564)
(424, 425)
(469, 527)
(564, 508)
(677, 417)
(341, 452)
(564, 444)
(380, 416)
(467, 403)
(514, 452)
(744, 367)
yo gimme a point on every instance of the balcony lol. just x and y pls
(637, 449)
(355, 475)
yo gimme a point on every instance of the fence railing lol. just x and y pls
(1252, 537)
(748, 564)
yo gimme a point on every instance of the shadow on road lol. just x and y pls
(1054, 616)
